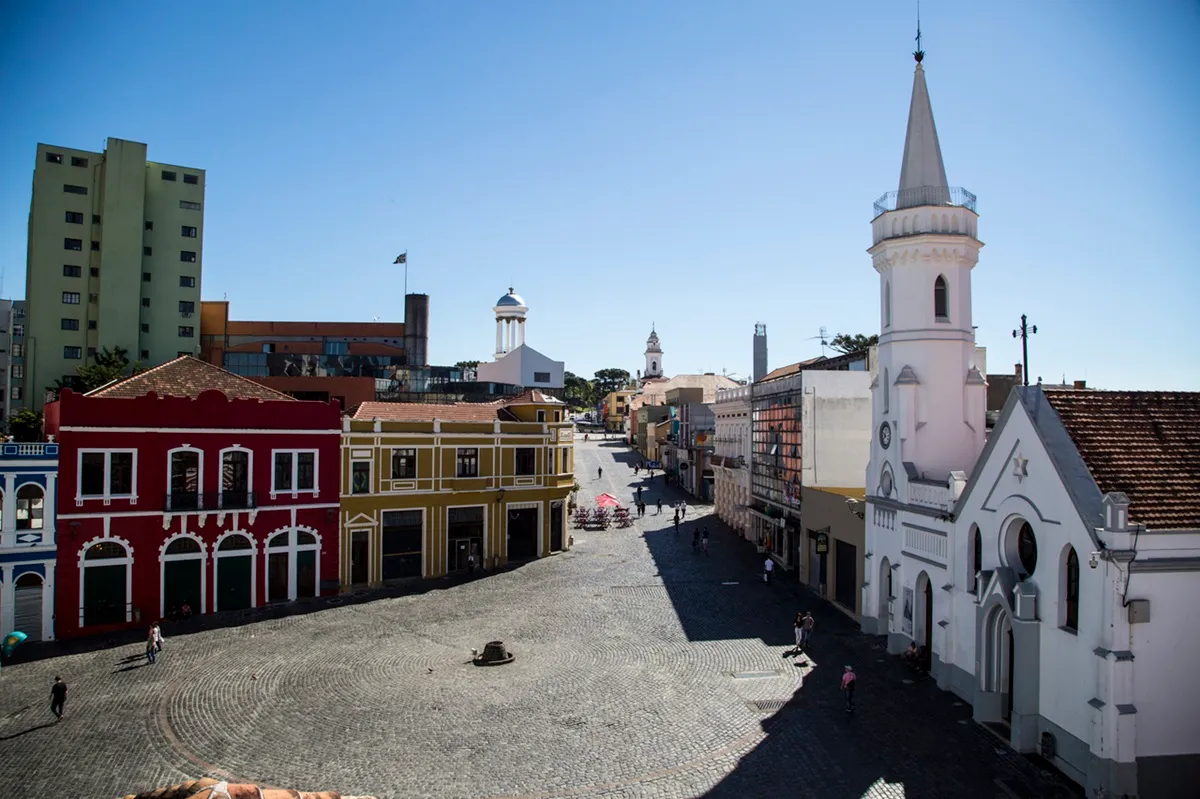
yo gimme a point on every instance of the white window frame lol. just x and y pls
(370, 476)
(391, 461)
(17, 509)
(199, 477)
(249, 472)
(126, 561)
(163, 557)
(106, 496)
(217, 554)
(292, 550)
(294, 491)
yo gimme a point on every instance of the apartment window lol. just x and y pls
(31, 507)
(72, 271)
(187, 256)
(188, 205)
(541, 416)
(167, 175)
(95, 219)
(91, 324)
(72, 244)
(187, 231)
(18, 350)
(69, 189)
(145, 302)
(70, 324)
(91, 352)
(94, 271)
(95, 246)
(187, 307)
(468, 462)
(192, 179)
(187, 282)
(145, 277)
(186, 332)
(106, 474)
(145, 355)
(16, 392)
(404, 464)
(541, 377)
(145, 327)
(73, 353)
(235, 479)
(295, 471)
(54, 158)
(526, 461)
(70, 297)
(149, 225)
(74, 218)
(19, 330)
(147, 251)
(360, 477)
(77, 161)
(18, 371)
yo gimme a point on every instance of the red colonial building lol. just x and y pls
(189, 484)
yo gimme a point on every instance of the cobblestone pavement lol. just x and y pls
(643, 670)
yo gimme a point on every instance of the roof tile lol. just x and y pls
(188, 377)
(1145, 444)
(427, 411)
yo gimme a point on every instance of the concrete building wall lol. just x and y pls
(132, 281)
(836, 428)
(828, 512)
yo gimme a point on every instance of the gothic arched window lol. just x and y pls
(941, 300)
(1071, 582)
(887, 304)
(976, 559)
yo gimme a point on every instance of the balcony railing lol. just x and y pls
(190, 501)
(925, 195)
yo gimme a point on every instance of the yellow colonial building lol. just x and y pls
(616, 410)
(426, 486)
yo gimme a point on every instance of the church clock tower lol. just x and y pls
(653, 356)
(929, 396)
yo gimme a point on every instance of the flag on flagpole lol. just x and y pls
(402, 258)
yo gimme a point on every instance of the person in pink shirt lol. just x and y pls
(848, 680)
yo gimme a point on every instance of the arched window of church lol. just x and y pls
(976, 559)
(887, 304)
(887, 389)
(1071, 583)
(941, 300)
(654, 366)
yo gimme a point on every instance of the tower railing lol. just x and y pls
(925, 195)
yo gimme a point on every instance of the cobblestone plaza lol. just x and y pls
(642, 669)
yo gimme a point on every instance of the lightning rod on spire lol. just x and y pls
(919, 54)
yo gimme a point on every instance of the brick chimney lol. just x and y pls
(1020, 382)
(1080, 385)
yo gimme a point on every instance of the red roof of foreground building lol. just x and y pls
(1145, 444)
(188, 377)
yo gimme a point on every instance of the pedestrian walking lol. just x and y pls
(151, 647)
(849, 678)
(768, 567)
(659, 503)
(704, 541)
(683, 510)
(471, 565)
(599, 472)
(58, 696)
(676, 525)
(156, 630)
(806, 628)
(798, 629)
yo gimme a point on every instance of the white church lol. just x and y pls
(1051, 569)
(516, 363)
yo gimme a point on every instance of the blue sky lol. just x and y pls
(704, 166)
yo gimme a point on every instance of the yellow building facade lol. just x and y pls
(426, 487)
(616, 409)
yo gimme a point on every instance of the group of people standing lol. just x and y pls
(803, 626)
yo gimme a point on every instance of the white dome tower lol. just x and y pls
(510, 323)
(653, 356)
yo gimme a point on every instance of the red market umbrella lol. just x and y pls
(607, 501)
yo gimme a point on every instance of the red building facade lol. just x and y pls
(190, 485)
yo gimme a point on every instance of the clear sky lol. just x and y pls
(704, 166)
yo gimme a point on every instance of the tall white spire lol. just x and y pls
(922, 173)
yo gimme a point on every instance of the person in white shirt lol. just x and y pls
(768, 567)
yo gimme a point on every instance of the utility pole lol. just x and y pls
(1025, 331)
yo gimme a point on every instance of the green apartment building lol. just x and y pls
(115, 251)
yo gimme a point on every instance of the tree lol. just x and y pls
(25, 426)
(578, 392)
(848, 344)
(107, 365)
(610, 380)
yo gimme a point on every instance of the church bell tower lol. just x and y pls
(929, 397)
(653, 356)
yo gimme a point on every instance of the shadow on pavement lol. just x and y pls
(27, 731)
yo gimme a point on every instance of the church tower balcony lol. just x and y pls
(924, 209)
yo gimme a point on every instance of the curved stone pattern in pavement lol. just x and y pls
(642, 669)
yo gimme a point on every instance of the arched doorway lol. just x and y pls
(182, 577)
(923, 634)
(233, 573)
(105, 584)
(27, 605)
(293, 570)
(998, 660)
(885, 592)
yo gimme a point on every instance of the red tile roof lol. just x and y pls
(534, 396)
(1145, 444)
(790, 369)
(188, 377)
(427, 412)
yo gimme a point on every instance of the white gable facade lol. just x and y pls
(523, 366)
(1071, 631)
